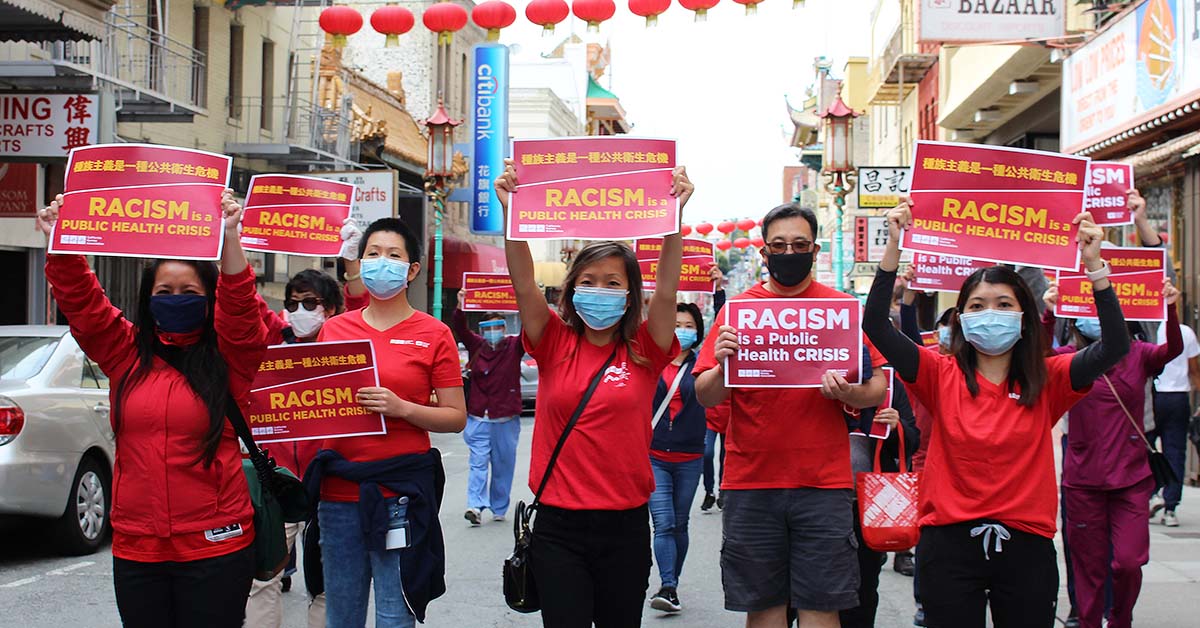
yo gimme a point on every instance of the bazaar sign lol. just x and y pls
(975, 21)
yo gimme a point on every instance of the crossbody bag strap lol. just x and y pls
(264, 466)
(562, 439)
(666, 402)
(1137, 428)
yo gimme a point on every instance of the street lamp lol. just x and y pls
(838, 170)
(438, 171)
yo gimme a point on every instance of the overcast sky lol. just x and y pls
(718, 87)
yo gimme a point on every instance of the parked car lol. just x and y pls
(529, 382)
(56, 444)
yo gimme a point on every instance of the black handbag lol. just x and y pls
(1160, 468)
(520, 591)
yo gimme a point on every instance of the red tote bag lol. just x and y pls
(887, 505)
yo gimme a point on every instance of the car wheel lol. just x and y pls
(85, 523)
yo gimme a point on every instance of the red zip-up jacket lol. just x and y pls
(164, 500)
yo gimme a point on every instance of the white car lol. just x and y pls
(56, 443)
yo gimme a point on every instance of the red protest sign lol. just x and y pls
(305, 391)
(695, 273)
(883, 430)
(791, 343)
(488, 292)
(1107, 184)
(116, 195)
(296, 215)
(1137, 278)
(998, 204)
(943, 273)
(929, 338)
(593, 188)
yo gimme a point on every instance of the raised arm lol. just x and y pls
(1147, 235)
(1092, 362)
(458, 324)
(355, 290)
(531, 301)
(1170, 350)
(900, 351)
(241, 333)
(660, 320)
(719, 293)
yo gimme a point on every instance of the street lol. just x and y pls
(41, 590)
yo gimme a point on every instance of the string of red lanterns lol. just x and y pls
(492, 16)
(392, 21)
(649, 9)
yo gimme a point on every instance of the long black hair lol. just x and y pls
(1028, 368)
(201, 364)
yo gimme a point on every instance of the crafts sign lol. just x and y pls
(488, 292)
(1137, 278)
(296, 215)
(306, 391)
(593, 188)
(139, 200)
(695, 272)
(791, 343)
(999, 204)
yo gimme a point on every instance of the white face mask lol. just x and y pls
(305, 323)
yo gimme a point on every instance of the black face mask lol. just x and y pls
(790, 269)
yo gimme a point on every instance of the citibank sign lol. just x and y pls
(489, 130)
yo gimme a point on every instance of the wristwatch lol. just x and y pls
(348, 277)
(1099, 273)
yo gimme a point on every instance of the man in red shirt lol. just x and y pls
(788, 517)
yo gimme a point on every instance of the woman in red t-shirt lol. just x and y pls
(591, 538)
(182, 519)
(988, 495)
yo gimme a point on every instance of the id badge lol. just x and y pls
(397, 536)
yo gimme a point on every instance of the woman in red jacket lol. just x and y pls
(182, 518)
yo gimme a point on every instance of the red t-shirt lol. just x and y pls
(414, 357)
(605, 463)
(784, 437)
(988, 457)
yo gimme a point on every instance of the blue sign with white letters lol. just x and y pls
(489, 117)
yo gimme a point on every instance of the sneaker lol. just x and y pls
(497, 517)
(919, 617)
(708, 503)
(1157, 503)
(903, 564)
(472, 515)
(666, 600)
(721, 501)
(1072, 622)
(286, 583)
(1170, 520)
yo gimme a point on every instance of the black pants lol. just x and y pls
(591, 566)
(208, 593)
(869, 564)
(959, 579)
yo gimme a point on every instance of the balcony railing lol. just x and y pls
(900, 63)
(285, 126)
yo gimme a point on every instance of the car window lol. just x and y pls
(22, 357)
(93, 377)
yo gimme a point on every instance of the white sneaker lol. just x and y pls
(472, 515)
(1157, 503)
(497, 517)
(1170, 520)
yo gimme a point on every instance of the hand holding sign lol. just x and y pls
(1050, 296)
(681, 185)
(899, 218)
(1137, 204)
(1089, 238)
(888, 416)
(506, 184)
(49, 215)
(232, 212)
(726, 344)
(1170, 292)
(835, 386)
(380, 400)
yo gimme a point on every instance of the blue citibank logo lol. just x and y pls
(489, 128)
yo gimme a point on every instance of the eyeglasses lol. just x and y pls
(309, 304)
(798, 246)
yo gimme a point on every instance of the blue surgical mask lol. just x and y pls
(384, 278)
(944, 336)
(991, 332)
(600, 308)
(179, 313)
(687, 337)
(1089, 327)
(493, 336)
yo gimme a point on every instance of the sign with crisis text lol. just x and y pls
(306, 391)
(695, 273)
(593, 188)
(791, 343)
(999, 204)
(1107, 185)
(140, 200)
(943, 273)
(488, 292)
(490, 135)
(296, 215)
(1137, 278)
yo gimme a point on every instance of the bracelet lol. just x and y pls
(1100, 273)
(348, 277)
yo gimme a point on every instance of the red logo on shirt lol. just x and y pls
(617, 374)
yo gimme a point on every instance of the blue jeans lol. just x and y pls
(492, 443)
(349, 569)
(670, 505)
(1171, 413)
(711, 479)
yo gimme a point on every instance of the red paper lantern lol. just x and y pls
(742, 243)
(700, 7)
(340, 21)
(704, 228)
(724, 245)
(745, 224)
(685, 230)
(726, 227)
(751, 6)
(492, 16)
(547, 13)
(649, 9)
(445, 19)
(757, 241)
(594, 12)
(758, 222)
(392, 21)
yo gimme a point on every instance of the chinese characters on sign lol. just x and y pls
(698, 259)
(881, 188)
(296, 215)
(488, 292)
(46, 125)
(791, 343)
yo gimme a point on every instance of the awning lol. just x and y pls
(52, 20)
(460, 256)
(1151, 159)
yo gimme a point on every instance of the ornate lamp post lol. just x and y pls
(438, 172)
(838, 171)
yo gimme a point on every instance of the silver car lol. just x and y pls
(56, 444)
(529, 382)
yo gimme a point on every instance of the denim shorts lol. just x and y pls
(789, 546)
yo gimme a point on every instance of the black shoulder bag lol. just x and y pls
(1160, 468)
(520, 591)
